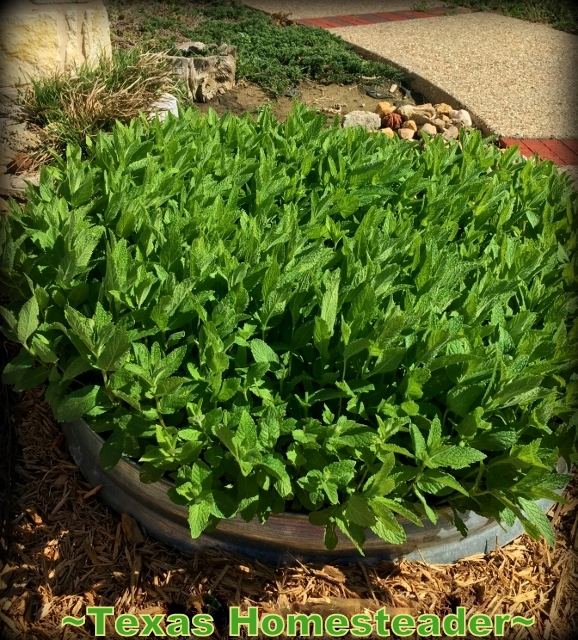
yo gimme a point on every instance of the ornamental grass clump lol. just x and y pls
(290, 317)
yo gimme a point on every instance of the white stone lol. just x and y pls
(366, 119)
(167, 103)
(465, 118)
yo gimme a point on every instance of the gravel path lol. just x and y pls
(516, 78)
(324, 8)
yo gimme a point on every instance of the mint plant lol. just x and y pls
(294, 317)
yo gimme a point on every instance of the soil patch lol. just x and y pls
(330, 99)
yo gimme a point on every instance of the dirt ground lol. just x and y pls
(331, 99)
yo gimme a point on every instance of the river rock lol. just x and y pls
(390, 133)
(451, 133)
(465, 118)
(409, 124)
(366, 119)
(405, 111)
(443, 109)
(384, 109)
(439, 124)
(406, 134)
(427, 128)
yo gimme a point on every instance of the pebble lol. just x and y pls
(428, 128)
(443, 109)
(388, 132)
(384, 109)
(366, 119)
(406, 134)
(451, 133)
(439, 124)
(409, 124)
(465, 118)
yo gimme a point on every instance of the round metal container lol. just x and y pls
(285, 537)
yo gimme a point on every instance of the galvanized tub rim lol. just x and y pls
(284, 538)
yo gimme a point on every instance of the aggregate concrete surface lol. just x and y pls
(323, 8)
(517, 78)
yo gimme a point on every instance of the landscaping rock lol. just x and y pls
(465, 118)
(443, 109)
(427, 128)
(384, 109)
(462, 115)
(15, 186)
(209, 76)
(409, 124)
(405, 111)
(390, 133)
(406, 134)
(439, 124)
(420, 114)
(190, 47)
(451, 133)
(366, 119)
(212, 75)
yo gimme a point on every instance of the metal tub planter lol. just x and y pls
(285, 537)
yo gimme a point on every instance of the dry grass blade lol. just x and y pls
(68, 107)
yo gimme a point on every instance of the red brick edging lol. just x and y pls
(336, 22)
(561, 152)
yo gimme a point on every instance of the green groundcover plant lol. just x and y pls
(290, 317)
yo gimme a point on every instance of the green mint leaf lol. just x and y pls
(199, 517)
(455, 457)
(27, 320)
(77, 404)
(262, 352)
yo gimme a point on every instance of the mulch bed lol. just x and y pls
(68, 551)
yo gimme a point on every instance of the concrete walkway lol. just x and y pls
(517, 79)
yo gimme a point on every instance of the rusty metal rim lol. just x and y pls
(284, 538)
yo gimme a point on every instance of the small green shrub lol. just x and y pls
(560, 14)
(294, 317)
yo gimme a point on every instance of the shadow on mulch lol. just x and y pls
(68, 551)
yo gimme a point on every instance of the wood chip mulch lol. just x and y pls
(68, 551)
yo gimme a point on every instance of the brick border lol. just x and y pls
(361, 19)
(561, 152)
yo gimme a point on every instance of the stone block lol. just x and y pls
(29, 46)
(95, 34)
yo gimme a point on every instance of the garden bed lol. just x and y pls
(69, 551)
